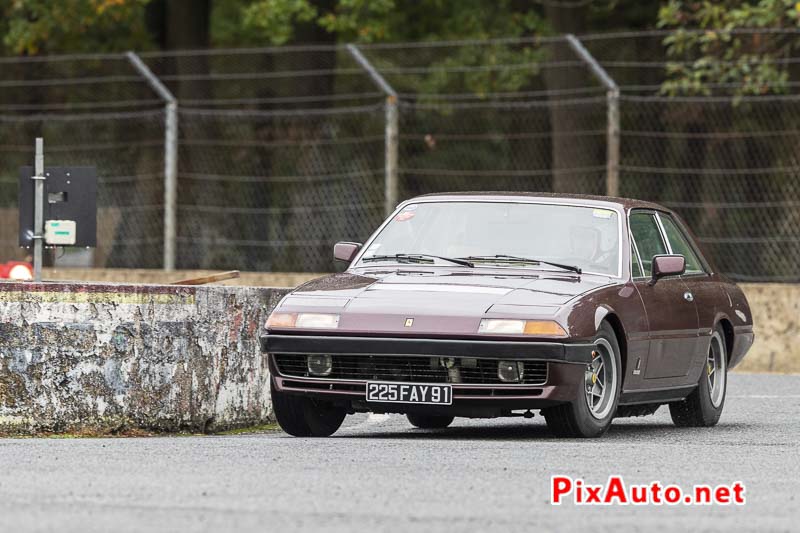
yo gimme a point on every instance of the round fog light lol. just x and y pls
(320, 365)
(510, 371)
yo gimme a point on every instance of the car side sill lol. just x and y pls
(668, 394)
(422, 347)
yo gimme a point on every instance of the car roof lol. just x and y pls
(625, 203)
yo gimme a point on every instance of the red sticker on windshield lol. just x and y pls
(405, 215)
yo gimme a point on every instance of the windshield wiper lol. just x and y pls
(517, 259)
(417, 258)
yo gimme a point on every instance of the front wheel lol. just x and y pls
(703, 407)
(429, 421)
(591, 413)
(300, 416)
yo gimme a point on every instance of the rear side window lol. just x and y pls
(680, 245)
(644, 229)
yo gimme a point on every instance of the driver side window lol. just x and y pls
(647, 236)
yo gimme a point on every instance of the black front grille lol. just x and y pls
(413, 369)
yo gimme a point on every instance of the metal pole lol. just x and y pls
(391, 184)
(391, 179)
(170, 157)
(170, 186)
(612, 144)
(38, 209)
(379, 80)
(612, 102)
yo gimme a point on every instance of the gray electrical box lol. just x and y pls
(70, 207)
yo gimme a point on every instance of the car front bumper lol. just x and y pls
(555, 352)
(566, 365)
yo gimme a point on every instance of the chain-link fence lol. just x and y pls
(728, 164)
(92, 110)
(283, 151)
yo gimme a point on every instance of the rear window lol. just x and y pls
(680, 245)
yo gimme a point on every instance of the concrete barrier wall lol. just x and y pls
(100, 358)
(776, 316)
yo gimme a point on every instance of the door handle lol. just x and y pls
(688, 296)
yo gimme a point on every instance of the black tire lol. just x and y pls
(304, 417)
(576, 419)
(699, 409)
(429, 422)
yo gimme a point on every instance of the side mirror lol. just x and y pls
(667, 265)
(346, 251)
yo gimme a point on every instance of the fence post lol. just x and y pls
(38, 209)
(612, 144)
(612, 103)
(392, 185)
(392, 131)
(170, 157)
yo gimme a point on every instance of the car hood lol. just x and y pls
(437, 300)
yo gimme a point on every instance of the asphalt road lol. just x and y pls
(379, 474)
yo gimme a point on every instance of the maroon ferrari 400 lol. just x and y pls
(486, 305)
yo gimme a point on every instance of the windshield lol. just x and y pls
(583, 237)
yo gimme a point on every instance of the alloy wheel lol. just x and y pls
(601, 379)
(715, 371)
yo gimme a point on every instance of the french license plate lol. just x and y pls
(378, 391)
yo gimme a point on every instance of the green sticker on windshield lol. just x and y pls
(602, 213)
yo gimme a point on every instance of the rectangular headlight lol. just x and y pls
(303, 320)
(317, 320)
(539, 328)
(495, 325)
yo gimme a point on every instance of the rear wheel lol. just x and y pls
(429, 422)
(703, 407)
(591, 413)
(300, 416)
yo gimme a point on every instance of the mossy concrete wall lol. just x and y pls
(111, 357)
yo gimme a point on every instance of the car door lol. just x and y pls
(670, 308)
(704, 291)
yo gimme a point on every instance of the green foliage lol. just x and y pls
(227, 27)
(365, 20)
(276, 18)
(706, 50)
(497, 68)
(388, 20)
(479, 69)
(43, 26)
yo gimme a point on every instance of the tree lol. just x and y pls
(708, 49)
(569, 152)
(737, 50)
(44, 27)
(290, 23)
